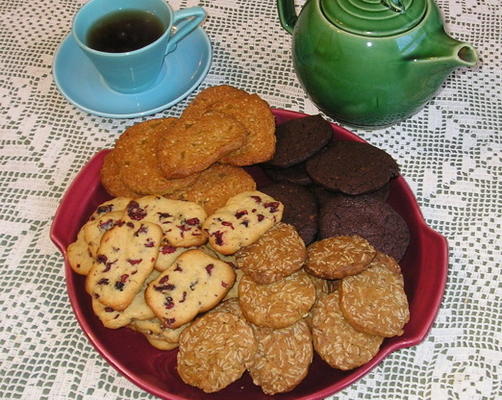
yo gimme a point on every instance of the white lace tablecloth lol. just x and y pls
(450, 154)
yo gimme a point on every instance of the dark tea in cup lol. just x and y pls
(124, 30)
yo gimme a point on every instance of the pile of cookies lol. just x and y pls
(197, 157)
(335, 187)
(237, 290)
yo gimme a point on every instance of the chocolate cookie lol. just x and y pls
(322, 195)
(352, 167)
(295, 174)
(372, 219)
(300, 138)
(300, 208)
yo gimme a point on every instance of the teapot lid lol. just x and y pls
(375, 18)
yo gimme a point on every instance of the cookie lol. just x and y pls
(215, 186)
(115, 204)
(181, 221)
(374, 301)
(279, 252)
(215, 351)
(295, 174)
(352, 167)
(80, 258)
(283, 357)
(137, 310)
(300, 208)
(126, 257)
(111, 180)
(195, 283)
(95, 229)
(323, 195)
(136, 154)
(188, 147)
(205, 98)
(339, 256)
(372, 219)
(243, 219)
(336, 341)
(157, 335)
(300, 138)
(279, 304)
(255, 115)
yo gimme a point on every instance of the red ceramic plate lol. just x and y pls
(424, 268)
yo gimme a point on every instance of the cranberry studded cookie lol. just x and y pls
(242, 221)
(125, 259)
(374, 301)
(157, 334)
(279, 252)
(215, 350)
(339, 256)
(79, 255)
(137, 310)
(335, 340)
(196, 282)
(188, 147)
(279, 304)
(115, 204)
(181, 221)
(283, 357)
(95, 229)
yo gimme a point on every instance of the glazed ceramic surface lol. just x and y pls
(368, 62)
(424, 268)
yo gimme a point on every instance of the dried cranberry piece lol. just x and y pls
(119, 285)
(109, 265)
(169, 322)
(193, 284)
(178, 268)
(134, 262)
(164, 279)
(169, 286)
(219, 237)
(169, 303)
(224, 284)
(209, 268)
(273, 205)
(184, 297)
(167, 249)
(104, 209)
(101, 258)
(226, 223)
(142, 229)
(134, 211)
(109, 309)
(163, 215)
(107, 225)
(239, 214)
(245, 223)
(103, 281)
(260, 217)
(192, 221)
(149, 243)
(256, 198)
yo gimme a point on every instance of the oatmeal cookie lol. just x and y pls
(335, 340)
(243, 219)
(188, 147)
(111, 180)
(196, 282)
(215, 351)
(215, 186)
(283, 357)
(279, 304)
(279, 252)
(374, 301)
(205, 98)
(339, 256)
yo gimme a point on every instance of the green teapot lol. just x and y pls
(371, 62)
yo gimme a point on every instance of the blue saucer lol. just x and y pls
(184, 69)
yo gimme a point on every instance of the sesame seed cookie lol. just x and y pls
(374, 300)
(339, 256)
(336, 341)
(188, 147)
(111, 180)
(279, 304)
(215, 186)
(283, 357)
(279, 252)
(215, 350)
(243, 219)
(196, 282)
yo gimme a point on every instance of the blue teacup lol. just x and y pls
(137, 70)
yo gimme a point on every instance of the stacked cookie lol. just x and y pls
(222, 130)
(335, 187)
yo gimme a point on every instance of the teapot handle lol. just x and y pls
(287, 14)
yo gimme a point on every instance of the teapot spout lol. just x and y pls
(464, 55)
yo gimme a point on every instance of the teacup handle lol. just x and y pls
(185, 21)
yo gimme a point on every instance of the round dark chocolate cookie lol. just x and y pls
(295, 174)
(323, 195)
(300, 208)
(300, 138)
(352, 167)
(372, 219)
